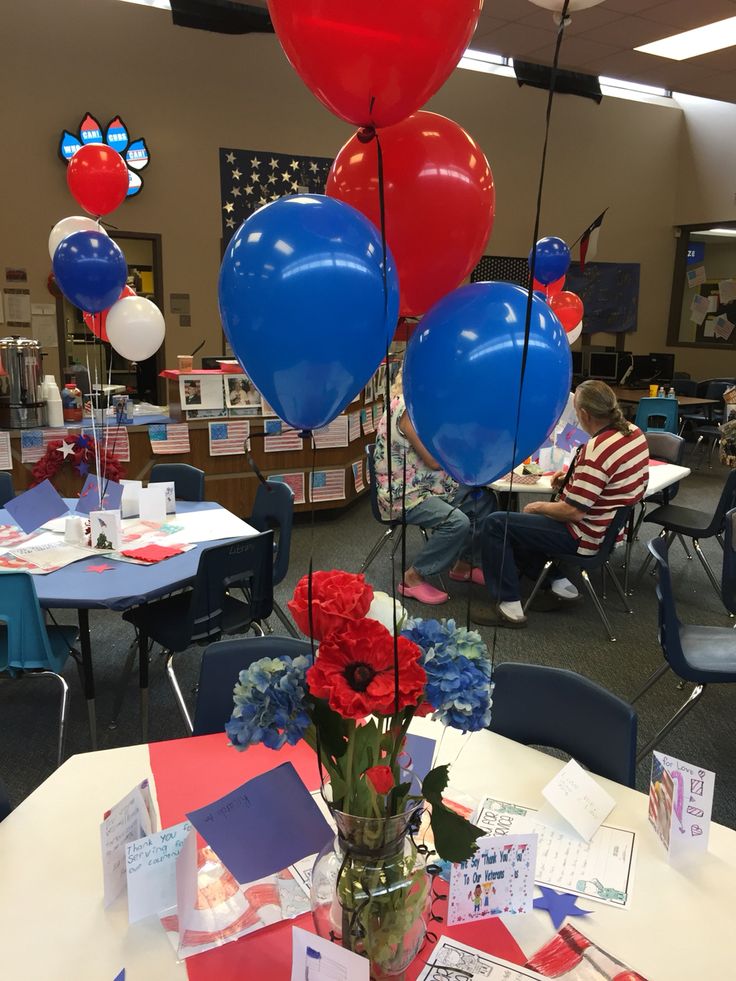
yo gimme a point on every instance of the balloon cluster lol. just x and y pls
(551, 262)
(89, 267)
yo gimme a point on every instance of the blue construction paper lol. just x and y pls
(112, 494)
(559, 905)
(262, 827)
(121, 976)
(420, 749)
(36, 506)
(571, 436)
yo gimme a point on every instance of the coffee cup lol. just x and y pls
(653, 389)
(185, 362)
(74, 530)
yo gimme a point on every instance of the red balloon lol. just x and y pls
(98, 178)
(439, 202)
(374, 63)
(568, 307)
(97, 322)
(556, 287)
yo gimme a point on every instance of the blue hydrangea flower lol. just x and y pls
(459, 683)
(270, 703)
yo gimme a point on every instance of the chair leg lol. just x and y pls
(704, 562)
(285, 620)
(122, 685)
(651, 680)
(388, 533)
(695, 696)
(649, 558)
(597, 603)
(682, 542)
(63, 710)
(398, 534)
(538, 584)
(173, 681)
(619, 589)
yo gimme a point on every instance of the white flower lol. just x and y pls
(380, 609)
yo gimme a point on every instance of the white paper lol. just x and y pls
(712, 303)
(129, 503)
(579, 799)
(131, 818)
(497, 879)
(727, 291)
(209, 526)
(696, 276)
(314, 958)
(150, 869)
(6, 459)
(709, 327)
(105, 529)
(698, 309)
(170, 492)
(680, 805)
(18, 306)
(152, 503)
(600, 870)
(332, 436)
(723, 327)
(452, 960)
(201, 391)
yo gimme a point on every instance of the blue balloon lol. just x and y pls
(461, 379)
(540, 295)
(302, 302)
(553, 260)
(90, 270)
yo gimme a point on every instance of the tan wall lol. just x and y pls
(190, 92)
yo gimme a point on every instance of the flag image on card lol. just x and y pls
(327, 485)
(34, 443)
(279, 437)
(228, 438)
(169, 438)
(293, 480)
(680, 804)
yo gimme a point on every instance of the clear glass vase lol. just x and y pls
(370, 890)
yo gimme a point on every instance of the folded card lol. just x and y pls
(131, 818)
(680, 804)
(579, 799)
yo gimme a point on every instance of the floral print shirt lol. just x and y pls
(421, 482)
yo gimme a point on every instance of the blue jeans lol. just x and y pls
(530, 540)
(451, 529)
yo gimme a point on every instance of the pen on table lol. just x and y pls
(312, 955)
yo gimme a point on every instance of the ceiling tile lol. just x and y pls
(719, 86)
(518, 41)
(581, 21)
(632, 6)
(484, 30)
(628, 32)
(630, 65)
(579, 50)
(718, 61)
(682, 15)
(507, 9)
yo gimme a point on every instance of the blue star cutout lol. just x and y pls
(83, 468)
(559, 905)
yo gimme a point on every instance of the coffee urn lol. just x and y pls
(21, 404)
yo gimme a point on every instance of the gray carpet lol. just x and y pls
(570, 638)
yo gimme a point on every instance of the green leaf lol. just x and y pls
(454, 837)
(334, 731)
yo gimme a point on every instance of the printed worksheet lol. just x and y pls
(601, 869)
(454, 961)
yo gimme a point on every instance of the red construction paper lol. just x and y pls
(152, 553)
(174, 372)
(99, 568)
(190, 773)
(657, 463)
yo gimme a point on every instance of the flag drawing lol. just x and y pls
(353, 426)
(169, 439)
(228, 438)
(366, 421)
(589, 240)
(34, 442)
(358, 476)
(333, 435)
(279, 437)
(722, 327)
(115, 440)
(6, 459)
(327, 485)
(293, 480)
(251, 178)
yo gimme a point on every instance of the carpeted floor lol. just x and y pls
(571, 638)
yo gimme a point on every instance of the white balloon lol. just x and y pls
(67, 226)
(572, 335)
(557, 5)
(136, 327)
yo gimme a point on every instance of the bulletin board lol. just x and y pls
(711, 330)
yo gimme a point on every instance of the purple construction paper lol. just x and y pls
(559, 905)
(420, 750)
(112, 494)
(262, 827)
(36, 506)
(571, 436)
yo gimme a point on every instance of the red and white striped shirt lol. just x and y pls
(611, 471)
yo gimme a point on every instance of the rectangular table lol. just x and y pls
(54, 925)
(661, 476)
(633, 396)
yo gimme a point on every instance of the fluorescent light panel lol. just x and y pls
(690, 44)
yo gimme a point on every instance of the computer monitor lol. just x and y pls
(604, 366)
(663, 366)
(577, 362)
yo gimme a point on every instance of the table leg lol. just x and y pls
(143, 682)
(629, 543)
(89, 678)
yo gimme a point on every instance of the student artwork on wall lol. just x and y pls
(115, 135)
(241, 394)
(251, 178)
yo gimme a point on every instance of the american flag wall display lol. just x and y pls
(114, 439)
(366, 421)
(295, 481)
(353, 426)
(6, 459)
(327, 485)
(33, 442)
(228, 438)
(251, 178)
(358, 476)
(169, 439)
(279, 437)
(333, 435)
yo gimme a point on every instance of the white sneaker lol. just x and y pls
(565, 589)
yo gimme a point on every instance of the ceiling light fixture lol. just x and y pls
(691, 44)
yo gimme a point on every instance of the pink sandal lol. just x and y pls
(477, 576)
(423, 593)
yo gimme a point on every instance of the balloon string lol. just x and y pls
(529, 301)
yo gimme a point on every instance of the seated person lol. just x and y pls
(610, 471)
(432, 500)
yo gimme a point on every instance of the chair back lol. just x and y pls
(221, 665)
(27, 644)
(618, 523)
(7, 491)
(669, 624)
(188, 480)
(670, 448)
(726, 502)
(544, 706)
(274, 509)
(244, 563)
(657, 414)
(685, 386)
(706, 392)
(728, 576)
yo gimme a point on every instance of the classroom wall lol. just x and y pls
(190, 92)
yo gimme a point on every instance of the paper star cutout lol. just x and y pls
(103, 567)
(271, 178)
(255, 162)
(237, 174)
(286, 176)
(559, 905)
(295, 186)
(295, 165)
(229, 207)
(230, 157)
(313, 167)
(82, 441)
(249, 189)
(230, 223)
(83, 468)
(255, 177)
(274, 197)
(66, 448)
(263, 200)
(273, 164)
(235, 191)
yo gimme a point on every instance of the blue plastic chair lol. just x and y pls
(188, 480)
(273, 509)
(544, 706)
(7, 491)
(728, 575)
(578, 568)
(701, 655)
(712, 388)
(657, 415)
(27, 645)
(221, 665)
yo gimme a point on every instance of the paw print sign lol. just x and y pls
(115, 135)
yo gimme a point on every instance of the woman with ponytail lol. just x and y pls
(610, 471)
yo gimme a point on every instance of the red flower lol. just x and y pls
(381, 778)
(354, 671)
(337, 597)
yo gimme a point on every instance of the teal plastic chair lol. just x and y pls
(27, 645)
(657, 415)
